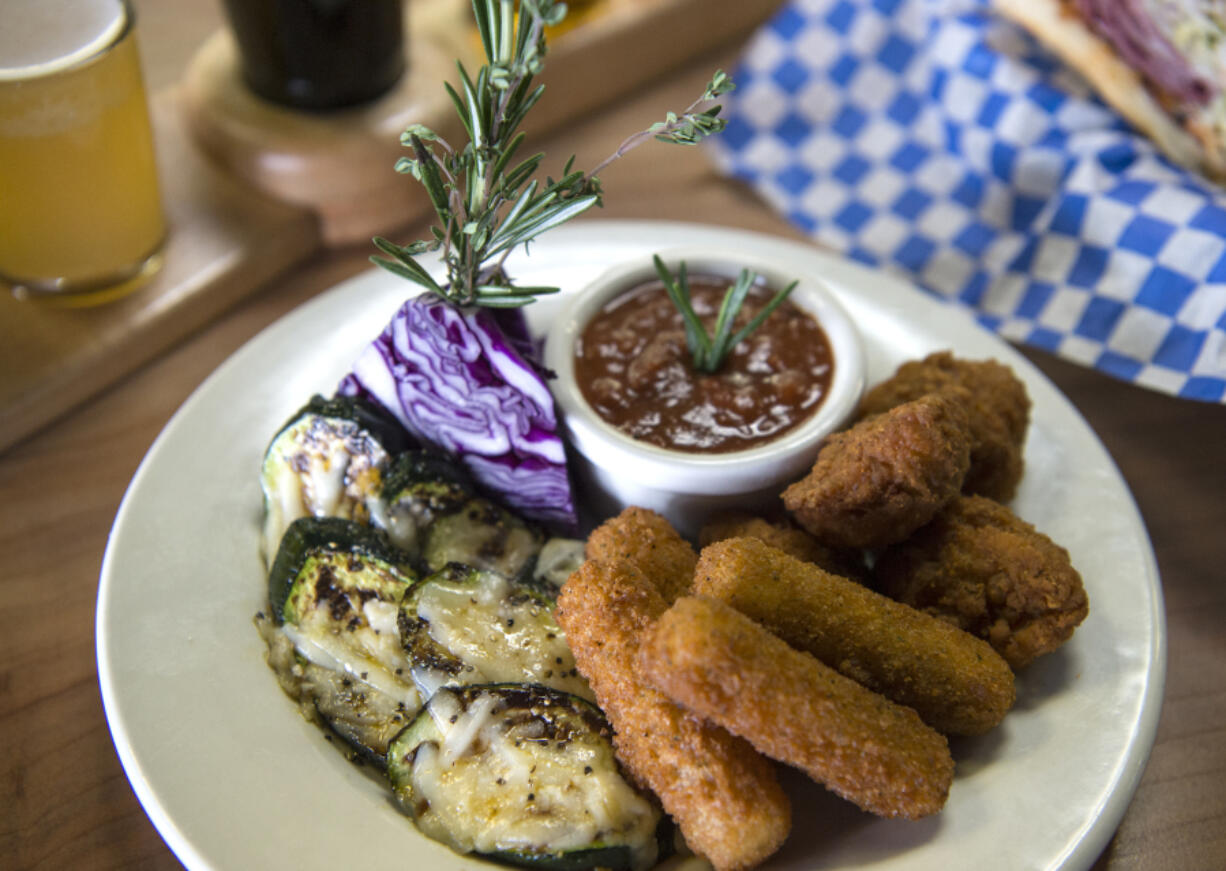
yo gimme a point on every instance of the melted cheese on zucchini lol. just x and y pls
(481, 535)
(500, 633)
(355, 630)
(328, 651)
(319, 467)
(493, 782)
(360, 710)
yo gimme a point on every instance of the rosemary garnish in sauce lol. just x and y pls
(708, 351)
(486, 203)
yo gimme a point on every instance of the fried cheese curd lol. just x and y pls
(860, 745)
(783, 534)
(956, 682)
(724, 795)
(648, 541)
(885, 477)
(998, 410)
(982, 568)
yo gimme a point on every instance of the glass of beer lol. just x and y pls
(81, 216)
(319, 54)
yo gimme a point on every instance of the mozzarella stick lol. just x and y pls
(722, 794)
(957, 682)
(649, 542)
(785, 536)
(860, 745)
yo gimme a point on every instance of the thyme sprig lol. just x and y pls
(706, 350)
(487, 203)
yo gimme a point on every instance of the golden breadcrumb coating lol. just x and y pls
(981, 567)
(876, 483)
(648, 541)
(723, 795)
(997, 406)
(863, 747)
(787, 537)
(957, 683)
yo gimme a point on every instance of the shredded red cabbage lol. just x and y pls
(468, 381)
(1128, 26)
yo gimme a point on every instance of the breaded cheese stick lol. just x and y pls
(646, 540)
(957, 682)
(785, 536)
(863, 747)
(723, 795)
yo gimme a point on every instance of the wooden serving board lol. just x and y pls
(224, 242)
(252, 189)
(339, 164)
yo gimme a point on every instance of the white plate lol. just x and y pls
(234, 778)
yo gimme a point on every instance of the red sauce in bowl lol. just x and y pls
(634, 369)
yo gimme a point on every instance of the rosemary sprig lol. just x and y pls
(709, 351)
(689, 128)
(486, 201)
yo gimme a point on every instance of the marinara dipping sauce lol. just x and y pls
(634, 368)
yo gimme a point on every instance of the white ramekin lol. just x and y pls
(615, 471)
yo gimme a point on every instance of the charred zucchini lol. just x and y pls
(327, 461)
(524, 775)
(419, 487)
(315, 537)
(336, 588)
(364, 718)
(431, 509)
(465, 626)
(483, 535)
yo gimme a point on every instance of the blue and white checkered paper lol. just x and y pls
(932, 138)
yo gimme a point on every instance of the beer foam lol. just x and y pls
(45, 36)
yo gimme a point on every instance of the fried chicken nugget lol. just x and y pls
(956, 682)
(997, 405)
(876, 483)
(982, 568)
(860, 745)
(646, 540)
(723, 794)
(784, 535)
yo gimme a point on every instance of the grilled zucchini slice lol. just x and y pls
(327, 461)
(431, 508)
(419, 487)
(336, 588)
(463, 625)
(484, 535)
(524, 775)
(364, 718)
(314, 538)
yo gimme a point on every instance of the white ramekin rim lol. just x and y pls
(782, 458)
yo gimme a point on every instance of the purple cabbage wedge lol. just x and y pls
(464, 381)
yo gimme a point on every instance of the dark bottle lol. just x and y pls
(319, 54)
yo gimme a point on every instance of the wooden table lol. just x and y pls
(64, 800)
